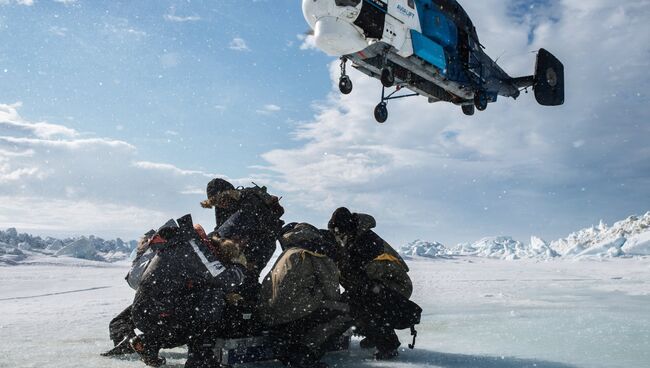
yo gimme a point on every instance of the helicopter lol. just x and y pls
(429, 47)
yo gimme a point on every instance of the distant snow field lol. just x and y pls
(581, 301)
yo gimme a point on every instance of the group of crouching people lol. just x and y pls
(192, 287)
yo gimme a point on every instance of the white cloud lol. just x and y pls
(10, 120)
(59, 31)
(59, 215)
(179, 19)
(19, 2)
(55, 178)
(430, 171)
(172, 17)
(170, 169)
(238, 44)
(119, 29)
(269, 109)
(308, 42)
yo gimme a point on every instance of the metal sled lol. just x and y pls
(259, 348)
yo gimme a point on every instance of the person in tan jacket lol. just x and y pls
(375, 279)
(300, 297)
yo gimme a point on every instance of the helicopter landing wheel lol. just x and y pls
(480, 101)
(345, 85)
(387, 78)
(381, 113)
(468, 110)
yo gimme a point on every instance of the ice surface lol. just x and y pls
(419, 248)
(627, 238)
(602, 235)
(637, 244)
(478, 312)
(91, 247)
(80, 249)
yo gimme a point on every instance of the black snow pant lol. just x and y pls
(303, 342)
(236, 321)
(384, 337)
(378, 311)
(122, 326)
(162, 330)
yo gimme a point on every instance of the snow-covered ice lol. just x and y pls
(581, 301)
(626, 238)
(419, 248)
(478, 312)
(16, 247)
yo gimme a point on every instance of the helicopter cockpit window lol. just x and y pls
(411, 4)
(347, 2)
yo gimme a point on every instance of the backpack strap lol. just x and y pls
(414, 333)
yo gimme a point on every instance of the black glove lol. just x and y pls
(233, 277)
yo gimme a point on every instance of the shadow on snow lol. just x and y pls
(418, 357)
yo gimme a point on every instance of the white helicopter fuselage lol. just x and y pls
(351, 29)
(336, 34)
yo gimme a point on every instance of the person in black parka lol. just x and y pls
(376, 282)
(226, 200)
(182, 291)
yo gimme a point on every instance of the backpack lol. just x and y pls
(138, 268)
(389, 308)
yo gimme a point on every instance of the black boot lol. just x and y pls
(367, 343)
(387, 344)
(121, 348)
(301, 356)
(148, 354)
(385, 354)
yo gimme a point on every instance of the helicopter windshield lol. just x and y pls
(347, 2)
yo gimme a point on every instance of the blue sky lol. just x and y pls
(136, 70)
(114, 115)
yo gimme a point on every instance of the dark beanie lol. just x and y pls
(343, 220)
(218, 185)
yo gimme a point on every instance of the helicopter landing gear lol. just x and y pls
(345, 83)
(480, 101)
(468, 110)
(381, 110)
(381, 113)
(387, 78)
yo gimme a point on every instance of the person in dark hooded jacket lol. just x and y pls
(238, 316)
(228, 200)
(181, 292)
(300, 298)
(370, 270)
